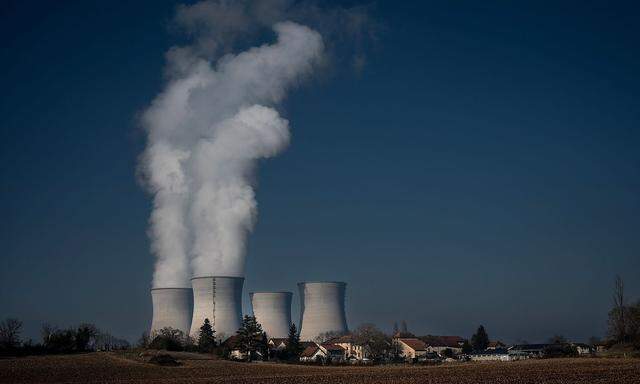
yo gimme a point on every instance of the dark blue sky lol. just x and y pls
(484, 167)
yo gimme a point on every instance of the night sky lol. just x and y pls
(483, 167)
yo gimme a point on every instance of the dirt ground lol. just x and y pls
(114, 368)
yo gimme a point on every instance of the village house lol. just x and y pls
(353, 350)
(335, 353)
(440, 344)
(496, 345)
(313, 354)
(583, 349)
(600, 347)
(411, 348)
(277, 344)
(276, 347)
(232, 345)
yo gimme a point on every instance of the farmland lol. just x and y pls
(114, 368)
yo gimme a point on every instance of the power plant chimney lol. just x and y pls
(273, 311)
(321, 308)
(219, 299)
(171, 308)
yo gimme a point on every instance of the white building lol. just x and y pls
(493, 355)
(353, 350)
(583, 349)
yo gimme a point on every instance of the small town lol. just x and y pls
(405, 347)
(364, 345)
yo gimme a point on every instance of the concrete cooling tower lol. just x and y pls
(171, 308)
(219, 299)
(321, 308)
(273, 311)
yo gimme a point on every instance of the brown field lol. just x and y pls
(113, 368)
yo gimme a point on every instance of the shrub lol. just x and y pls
(168, 339)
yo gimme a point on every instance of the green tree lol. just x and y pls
(294, 347)
(263, 346)
(480, 340)
(251, 337)
(206, 339)
(466, 347)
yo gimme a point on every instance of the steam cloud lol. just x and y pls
(216, 117)
(205, 132)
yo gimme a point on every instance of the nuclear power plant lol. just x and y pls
(273, 311)
(171, 308)
(219, 299)
(322, 308)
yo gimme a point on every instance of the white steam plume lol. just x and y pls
(205, 132)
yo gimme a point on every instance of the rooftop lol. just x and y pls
(309, 351)
(415, 344)
(332, 347)
(443, 341)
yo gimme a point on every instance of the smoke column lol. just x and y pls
(206, 130)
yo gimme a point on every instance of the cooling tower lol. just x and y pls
(171, 308)
(321, 308)
(219, 299)
(273, 311)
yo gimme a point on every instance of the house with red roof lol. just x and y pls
(313, 354)
(439, 344)
(335, 353)
(323, 352)
(411, 348)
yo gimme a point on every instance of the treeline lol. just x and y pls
(83, 338)
(250, 340)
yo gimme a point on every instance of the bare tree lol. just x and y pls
(374, 340)
(46, 332)
(594, 340)
(144, 340)
(10, 333)
(633, 322)
(557, 339)
(617, 315)
(326, 336)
